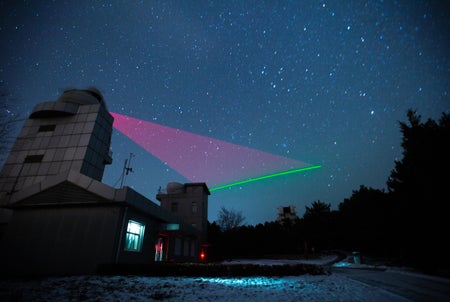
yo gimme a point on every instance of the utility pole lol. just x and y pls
(126, 169)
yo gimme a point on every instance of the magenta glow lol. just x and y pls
(200, 158)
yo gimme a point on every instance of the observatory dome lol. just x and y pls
(174, 187)
(88, 96)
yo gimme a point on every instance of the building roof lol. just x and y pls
(71, 188)
(88, 96)
(68, 103)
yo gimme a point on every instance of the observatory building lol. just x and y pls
(57, 217)
(287, 214)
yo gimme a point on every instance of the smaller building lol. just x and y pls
(189, 203)
(287, 214)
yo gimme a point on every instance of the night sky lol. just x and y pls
(317, 82)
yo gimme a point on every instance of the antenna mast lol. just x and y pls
(126, 169)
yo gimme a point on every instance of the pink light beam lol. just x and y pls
(200, 158)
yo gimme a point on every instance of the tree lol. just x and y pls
(318, 226)
(365, 221)
(230, 219)
(317, 208)
(419, 188)
(425, 156)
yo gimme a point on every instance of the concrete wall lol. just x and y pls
(152, 229)
(98, 149)
(59, 240)
(190, 204)
(59, 137)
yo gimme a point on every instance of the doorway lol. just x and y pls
(160, 249)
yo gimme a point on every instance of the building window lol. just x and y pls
(192, 249)
(194, 207)
(135, 236)
(47, 128)
(33, 159)
(177, 249)
(186, 247)
(174, 207)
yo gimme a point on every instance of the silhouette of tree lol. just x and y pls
(230, 219)
(419, 186)
(216, 250)
(365, 221)
(317, 226)
(425, 155)
(318, 208)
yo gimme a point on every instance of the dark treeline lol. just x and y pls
(407, 224)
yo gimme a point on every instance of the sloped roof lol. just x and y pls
(79, 188)
(72, 188)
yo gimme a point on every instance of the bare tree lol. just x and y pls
(230, 219)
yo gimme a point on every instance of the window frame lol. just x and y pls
(132, 236)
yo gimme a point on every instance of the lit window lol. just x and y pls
(135, 236)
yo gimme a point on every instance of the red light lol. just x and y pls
(202, 256)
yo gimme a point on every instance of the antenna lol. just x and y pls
(126, 169)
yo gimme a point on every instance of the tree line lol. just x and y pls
(408, 223)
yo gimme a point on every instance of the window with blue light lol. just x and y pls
(135, 236)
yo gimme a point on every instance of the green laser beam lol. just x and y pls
(264, 177)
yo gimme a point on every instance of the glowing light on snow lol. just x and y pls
(247, 282)
(341, 264)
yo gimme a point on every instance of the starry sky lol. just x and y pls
(319, 82)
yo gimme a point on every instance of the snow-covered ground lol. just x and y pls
(320, 261)
(135, 288)
(139, 288)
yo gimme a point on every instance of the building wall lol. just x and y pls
(184, 248)
(98, 152)
(75, 238)
(189, 202)
(59, 240)
(287, 213)
(147, 252)
(59, 136)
